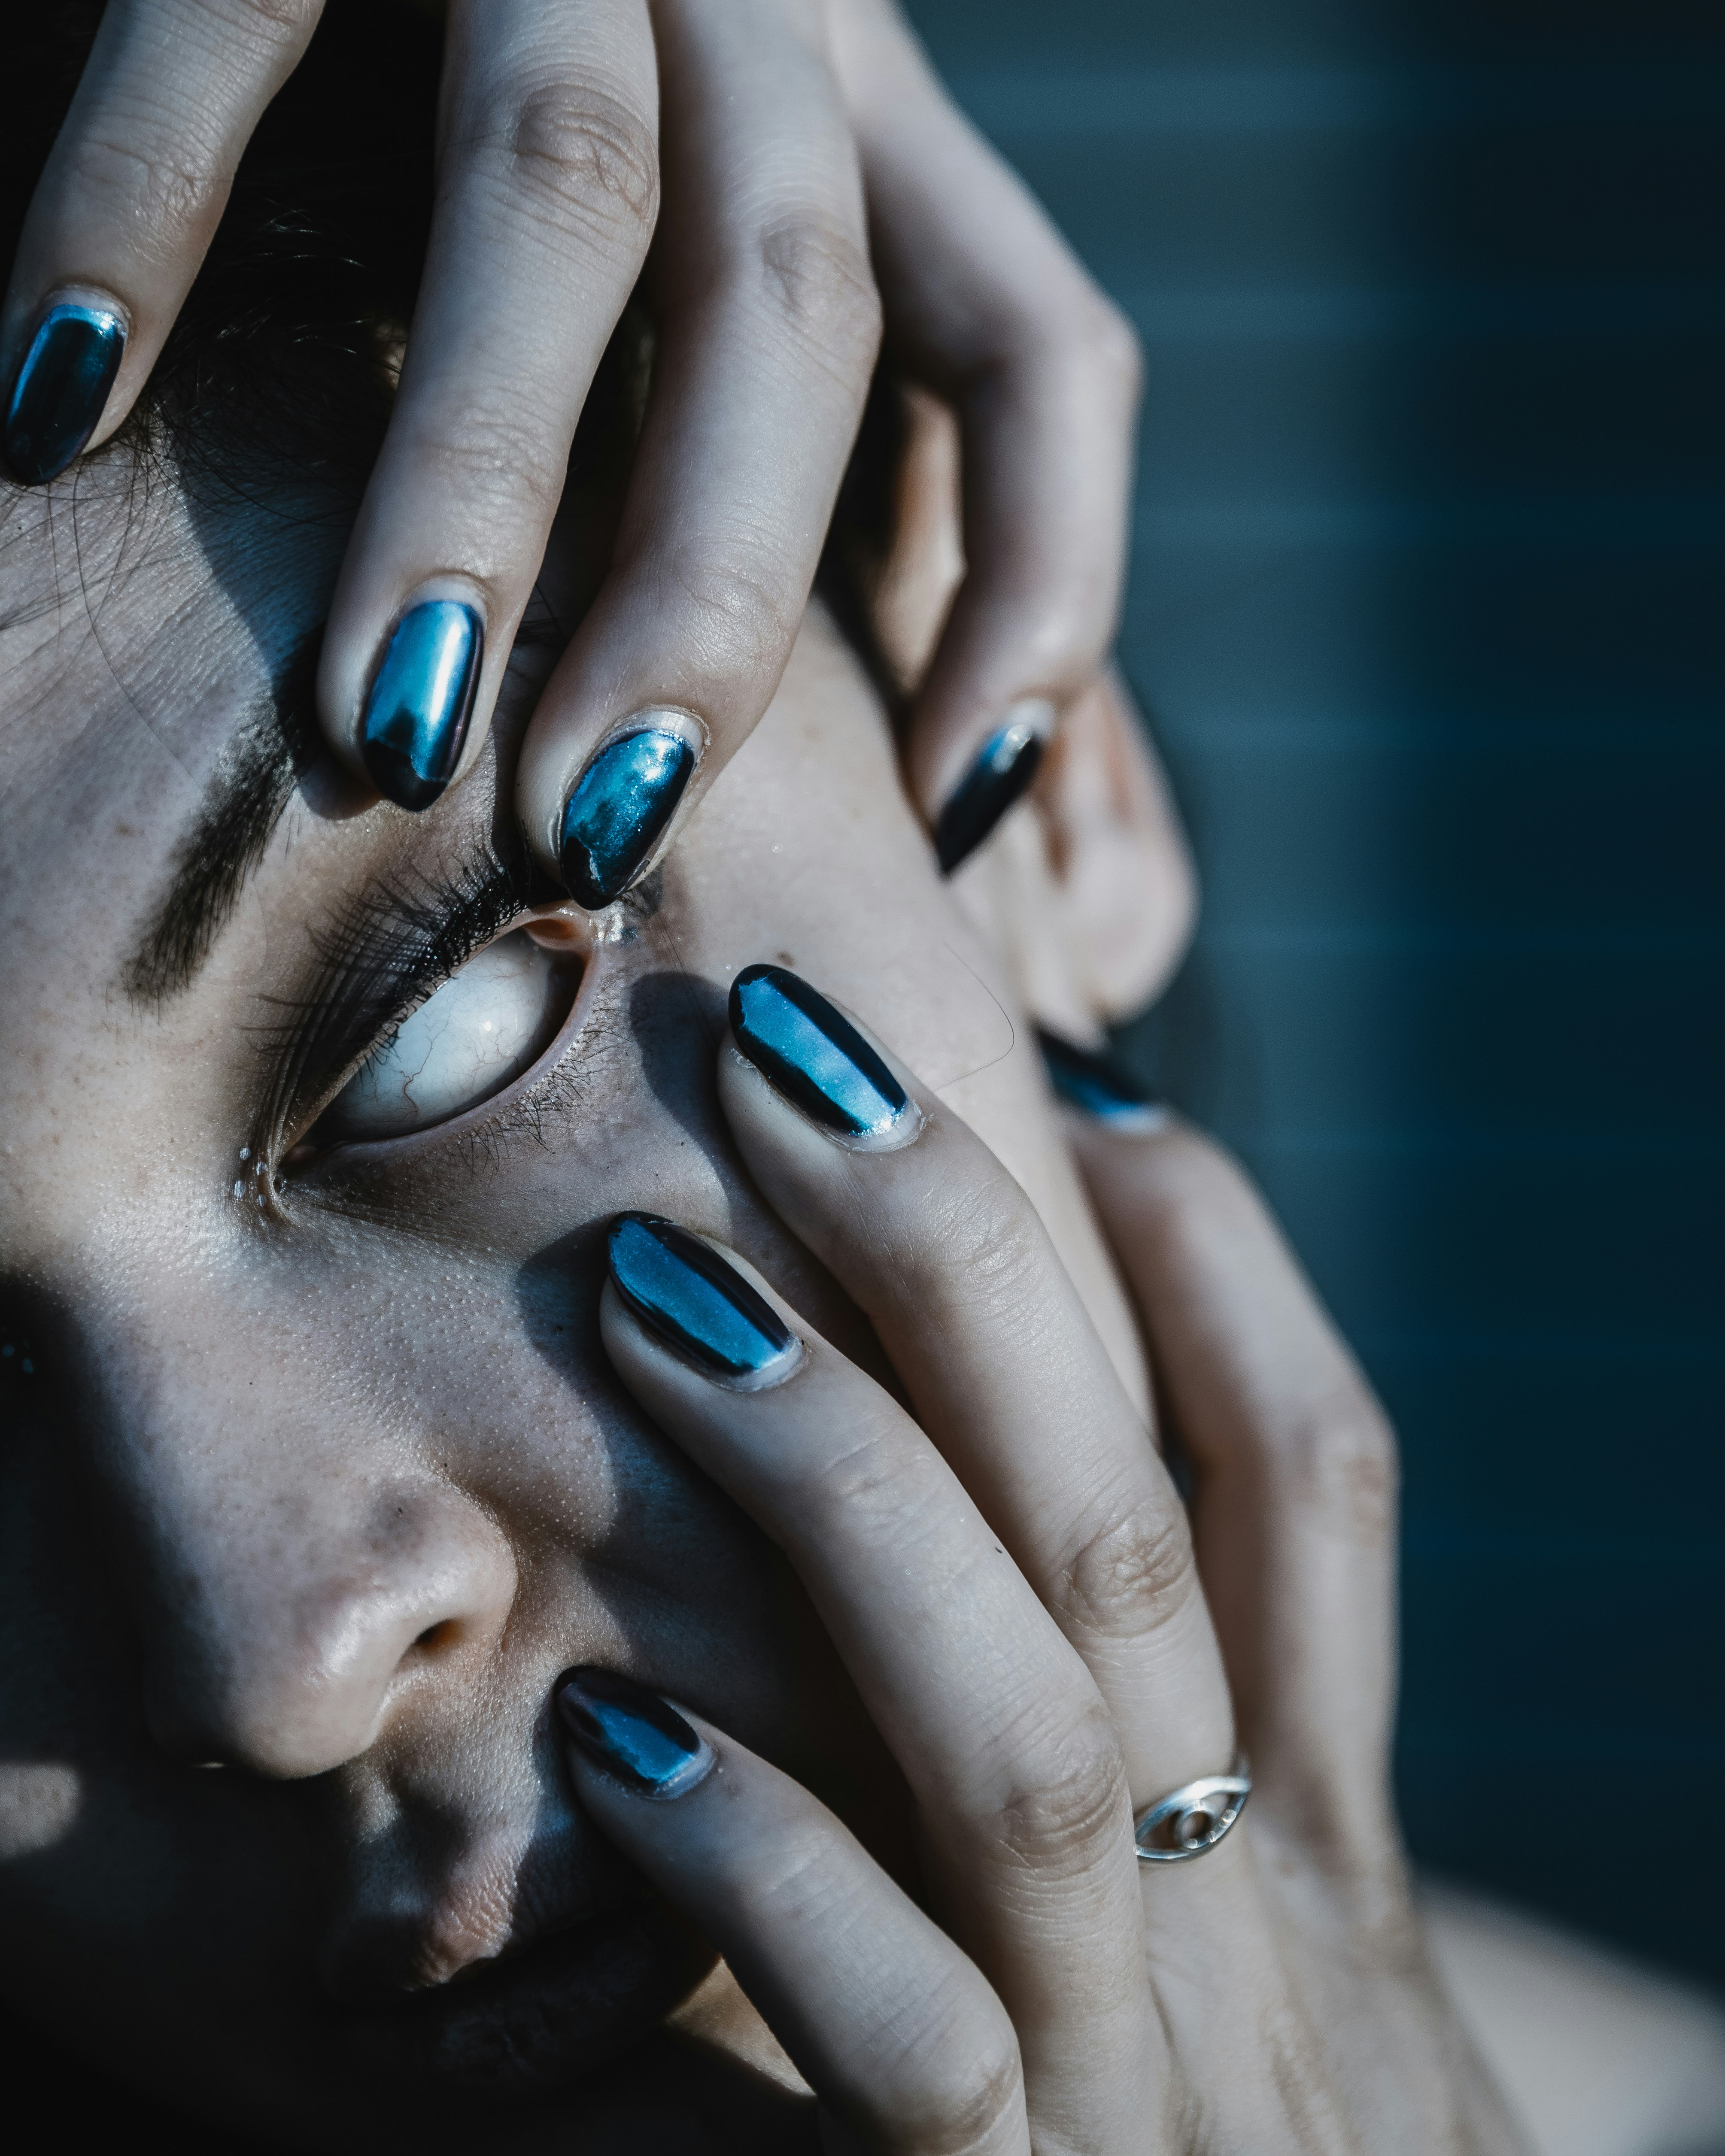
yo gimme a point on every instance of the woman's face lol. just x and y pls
(315, 1475)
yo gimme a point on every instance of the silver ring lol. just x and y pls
(1193, 1818)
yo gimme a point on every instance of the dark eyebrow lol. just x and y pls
(270, 750)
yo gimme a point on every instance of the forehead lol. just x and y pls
(137, 629)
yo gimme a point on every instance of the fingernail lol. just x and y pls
(632, 1734)
(60, 389)
(1000, 775)
(620, 806)
(421, 700)
(1099, 1084)
(813, 1055)
(682, 1290)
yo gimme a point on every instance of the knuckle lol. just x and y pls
(588, 157)
(1115, 350)
(1071, 1803)
(871, 1486)
(974, 2095)
(1090, 351)
(1133, 1575)
(169, 194)
(742, 622)
(494, 462)
(818, 277)
(1339, 1455)
(980, 1249)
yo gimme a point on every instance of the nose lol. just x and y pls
(287, 1654)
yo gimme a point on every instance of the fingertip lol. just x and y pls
(1000, 772)
(632, 1734)
(63, 382)
(417, 711)
(679, 1292)
(795, 1049)
(1099, 1087)
(616, 816)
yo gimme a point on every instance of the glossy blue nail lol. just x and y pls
(60, 389)
(620, 805)
(416, 716)
(632, 1732)
(999, 777)
(812, 1054)
(684, 1292)
(1098, 1084)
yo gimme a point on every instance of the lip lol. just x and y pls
(536, 2018)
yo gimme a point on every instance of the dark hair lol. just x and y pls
(278, 361)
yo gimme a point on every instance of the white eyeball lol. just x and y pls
(481, 1030)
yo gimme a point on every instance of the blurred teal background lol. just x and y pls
(1428, 606)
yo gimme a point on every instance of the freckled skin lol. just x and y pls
(328, 1488)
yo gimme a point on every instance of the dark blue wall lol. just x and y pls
(1429, 605)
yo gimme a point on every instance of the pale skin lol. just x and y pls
(793, 183)
(324, 1492)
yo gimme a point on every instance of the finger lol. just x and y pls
(1097, 890)
(946, 1255)
(986, 304)
(1294, 1463)
(126, 206)
(768, 324)
(897, 2033)
(547, 191)
(1007, 1747)
(1126, 890)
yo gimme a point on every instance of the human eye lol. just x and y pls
(487, 1025)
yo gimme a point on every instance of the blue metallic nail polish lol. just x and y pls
(60, 388)
(416, 716)
(682, 1290)
(1098, 1084)
(621, 804)
(812, 1055)
(999, 777)
(632, 1732)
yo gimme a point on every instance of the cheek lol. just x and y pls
(137, 1902)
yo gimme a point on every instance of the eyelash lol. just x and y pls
(332, 1031)
(383, 955)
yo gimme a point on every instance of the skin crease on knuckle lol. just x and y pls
(817, 277)
(589, 156)
(737, 623)
(1068, 1804)
(153, 182)
(1133, 1575)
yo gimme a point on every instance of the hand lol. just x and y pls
(1046, 1645)
(736, 142)
(987, 306)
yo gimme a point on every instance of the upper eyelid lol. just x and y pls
(497, 904)
(484, 1134)
(325, 1034)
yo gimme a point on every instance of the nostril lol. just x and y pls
(288, 1668)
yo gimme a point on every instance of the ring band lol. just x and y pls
(1193, 1818)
